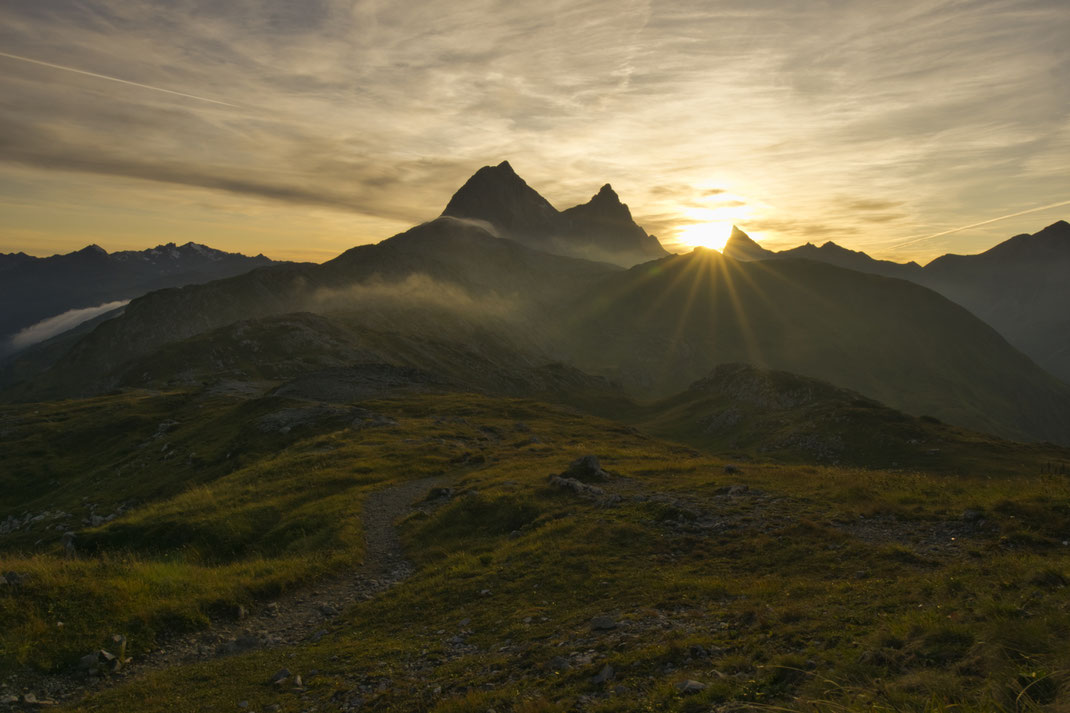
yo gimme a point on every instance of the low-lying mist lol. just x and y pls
(48, 328)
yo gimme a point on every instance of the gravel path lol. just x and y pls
(300, 616)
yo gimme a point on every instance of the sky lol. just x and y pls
(301, 129)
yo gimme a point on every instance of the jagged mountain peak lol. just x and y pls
(606, 192)
(741, 246)
(739, 235)
(600, 229)
(496, 194)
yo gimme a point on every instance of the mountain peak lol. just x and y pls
(741, 246)
(606, 192)
(739, 236)
(496, 194)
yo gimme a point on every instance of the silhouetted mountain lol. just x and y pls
(660, 326)
(833, 254)
(502, 198)
(741, 246)
(654, 328)
(34, 289)
(601, 229)
(418, 281)
(1020, 286)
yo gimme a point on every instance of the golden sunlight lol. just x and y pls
(712, 235)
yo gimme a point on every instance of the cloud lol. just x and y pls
(417, 292)
(371, 108)
(48, 328)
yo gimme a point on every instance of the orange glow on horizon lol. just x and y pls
(711, 235)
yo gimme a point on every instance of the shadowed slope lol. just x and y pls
(445, 266)
(662, 325)
(775, 414)
(1020, 286)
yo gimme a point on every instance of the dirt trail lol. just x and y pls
(302, 615)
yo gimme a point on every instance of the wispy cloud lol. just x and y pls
(113, 79)
(868, 122)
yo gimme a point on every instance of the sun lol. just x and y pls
(711, 235)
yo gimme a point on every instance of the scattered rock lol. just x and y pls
(439, 494)
(606, 674)
(559, 663)
(576, 486)
(586, 469)
(689, 687)
(603, 623)
(68, 543)
(280, 676)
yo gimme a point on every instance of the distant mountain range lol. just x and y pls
(1021, 286)
(472, 277)
(33, 289)
(466, 297)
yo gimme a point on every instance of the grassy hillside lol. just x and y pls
(782, 585)
(776, 415)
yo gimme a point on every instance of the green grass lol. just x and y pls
(820, 588)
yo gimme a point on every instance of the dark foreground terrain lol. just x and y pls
(410, 550)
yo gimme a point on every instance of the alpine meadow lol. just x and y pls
(789, 431)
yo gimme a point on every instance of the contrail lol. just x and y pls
(917, 239)
(116, 79)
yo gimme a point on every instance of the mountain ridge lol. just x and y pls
(1018, 286)
(37, 288)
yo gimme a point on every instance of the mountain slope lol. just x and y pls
(601, 229)
(414, 281)
(753, 412)
(33, 289)
(1020, 286)
(660, 326)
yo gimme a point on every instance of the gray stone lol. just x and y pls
(603, 623)
(559, 663)
(689, 687)
(586, 469)
(576, 486)
(606, 674)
